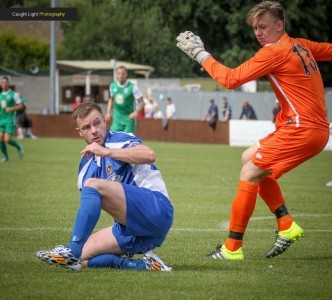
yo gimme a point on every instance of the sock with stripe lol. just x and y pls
(270, 192)
(284, 219)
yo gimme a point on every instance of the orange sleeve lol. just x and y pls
(261, 64)
(320, 51)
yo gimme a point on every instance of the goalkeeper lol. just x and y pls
(302, 128)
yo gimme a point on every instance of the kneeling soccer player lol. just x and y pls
(116, 174)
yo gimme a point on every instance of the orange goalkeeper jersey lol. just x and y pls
(290, 66)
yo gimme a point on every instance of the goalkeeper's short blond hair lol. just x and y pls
(274, 8)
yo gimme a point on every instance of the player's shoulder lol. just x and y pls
(303, 42)
(129, 83)
(283, 42)
(120, 139)
(114, 84)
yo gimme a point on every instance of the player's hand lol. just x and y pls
(133, 115)
(95, 149)
(108, 117)
(193, 46)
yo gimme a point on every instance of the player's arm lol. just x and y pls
(14, 108)
(261, 64)
(109, 109)
(19, 105)
(139, 98)
(139, 154)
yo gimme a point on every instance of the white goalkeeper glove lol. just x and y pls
(193, 46)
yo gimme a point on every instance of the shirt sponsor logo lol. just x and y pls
(3, 104)
(119, 99)
(115, 177)
(109, 168)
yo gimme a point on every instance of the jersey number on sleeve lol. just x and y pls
(305, 58)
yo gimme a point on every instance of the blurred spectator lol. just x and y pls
(157, 113)
(275, 111)
(24, 124)
(140, 108)
(226, 111)
(88, 98)
(170, 109)
(77, 102)
(212, 115)
(248, 111)
(149, 107)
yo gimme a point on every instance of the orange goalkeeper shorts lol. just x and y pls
(288, 147)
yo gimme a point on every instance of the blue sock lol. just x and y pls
(86, 219)
(116, 262)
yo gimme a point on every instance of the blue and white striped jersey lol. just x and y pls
(140, 175)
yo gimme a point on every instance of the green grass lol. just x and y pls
(39, 199)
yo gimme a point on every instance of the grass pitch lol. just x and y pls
(39, 199)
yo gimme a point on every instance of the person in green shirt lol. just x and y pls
(123, 98)
(10, 102)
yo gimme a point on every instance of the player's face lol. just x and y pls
(4, 84)
(267, 29)
(92, 128)
(121, 75)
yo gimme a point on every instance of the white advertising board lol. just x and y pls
(248, 132)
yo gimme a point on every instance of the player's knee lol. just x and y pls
(245, 158)
(92, 182)
(98, 184)
(247, 173)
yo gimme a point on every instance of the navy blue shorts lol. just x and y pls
(149, 218)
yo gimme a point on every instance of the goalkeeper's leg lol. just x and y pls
(288, 230)
(270, 192)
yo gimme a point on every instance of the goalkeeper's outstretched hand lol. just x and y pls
(193, 46)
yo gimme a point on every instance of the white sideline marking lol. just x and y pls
(295, 216)
(172, 229)
(250, 230)
(223, 226)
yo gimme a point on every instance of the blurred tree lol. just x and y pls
(145, 31)
(123, 31)
(10, 3)
(20, 53)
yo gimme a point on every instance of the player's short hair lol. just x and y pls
(122, 67)
(6, 78)
(274, 8)
(84, 109)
